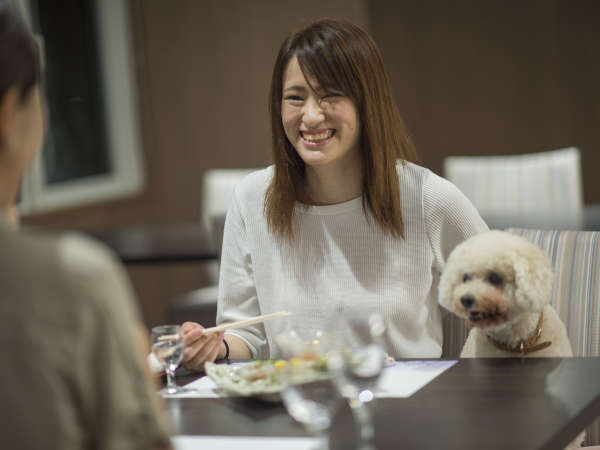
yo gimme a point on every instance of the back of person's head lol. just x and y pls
(21, 105)
(342, 57)
(19, 54)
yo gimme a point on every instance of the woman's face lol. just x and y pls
(323, 126)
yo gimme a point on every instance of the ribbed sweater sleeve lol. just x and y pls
(237, 288)
(450, 217)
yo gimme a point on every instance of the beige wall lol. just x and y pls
(471, 77)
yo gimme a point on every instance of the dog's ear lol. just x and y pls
(533, 277)
(445, 289)
(449, 277)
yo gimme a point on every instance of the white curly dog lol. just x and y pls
(501, 284)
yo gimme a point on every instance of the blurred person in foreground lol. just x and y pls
(344, 222)
(73, 373)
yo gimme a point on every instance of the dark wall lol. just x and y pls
(203, 72)
(479, 77)
(495, 77)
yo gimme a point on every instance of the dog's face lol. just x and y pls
(485, 297)
(493, 277)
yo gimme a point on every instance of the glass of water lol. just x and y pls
(356, 364)
(309, 396)
(167, 347)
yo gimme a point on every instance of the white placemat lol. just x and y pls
(201, 388)
(400, 380)
(242, 442)
(405, 378)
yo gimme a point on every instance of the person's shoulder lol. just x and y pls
(94, 277)
(444, 202)
(256, 180)
(86, 262)
(434, 185)
(409, 172)
(437, 192)
(82, 255)
(55, 250)
(69, 251)
(67, 264)
(253, 186)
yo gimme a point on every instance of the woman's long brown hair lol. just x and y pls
(343, 57)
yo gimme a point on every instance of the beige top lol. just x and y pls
(72, 374)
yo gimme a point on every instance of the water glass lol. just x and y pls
(312, 403)
(356, 363)
(167, 347)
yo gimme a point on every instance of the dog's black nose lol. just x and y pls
(467, 301)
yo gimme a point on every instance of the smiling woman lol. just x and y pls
(340, 65)
(323, 127)
(343, 223)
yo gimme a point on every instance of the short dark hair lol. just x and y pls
(19, 52)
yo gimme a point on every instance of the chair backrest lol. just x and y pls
(545, 181)
(575, 258)
(576, 292)
(217, 189)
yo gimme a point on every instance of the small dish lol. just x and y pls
(263, 378)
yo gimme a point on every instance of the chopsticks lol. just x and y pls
(243, 323)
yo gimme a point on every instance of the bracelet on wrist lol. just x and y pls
(226, 349)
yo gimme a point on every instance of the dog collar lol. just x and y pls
(526, 345)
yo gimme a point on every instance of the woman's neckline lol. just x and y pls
(336, 208)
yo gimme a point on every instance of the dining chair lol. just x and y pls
(546, 181)
(200, 305)
(455, 332)
(575, 258)
(217, 189)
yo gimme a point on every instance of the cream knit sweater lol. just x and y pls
(341, 262)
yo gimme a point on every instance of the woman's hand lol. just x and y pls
(199, 347)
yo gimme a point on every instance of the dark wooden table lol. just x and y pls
(588, 219)
(476, 404)
(156, 244)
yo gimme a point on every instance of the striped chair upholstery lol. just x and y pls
(575, 257)
(455, 334)
(576, 295)
(545, 181)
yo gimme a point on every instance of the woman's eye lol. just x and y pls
(293, 98)
(331, 95)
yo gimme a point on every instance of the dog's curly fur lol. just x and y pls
(500, 283)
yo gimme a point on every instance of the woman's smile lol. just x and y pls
(322, 124)
(316, 138)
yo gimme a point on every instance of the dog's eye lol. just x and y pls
(466, 277)
(495, 279)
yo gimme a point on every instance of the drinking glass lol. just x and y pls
(311, 403)
(356, 363)
(167, 347)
